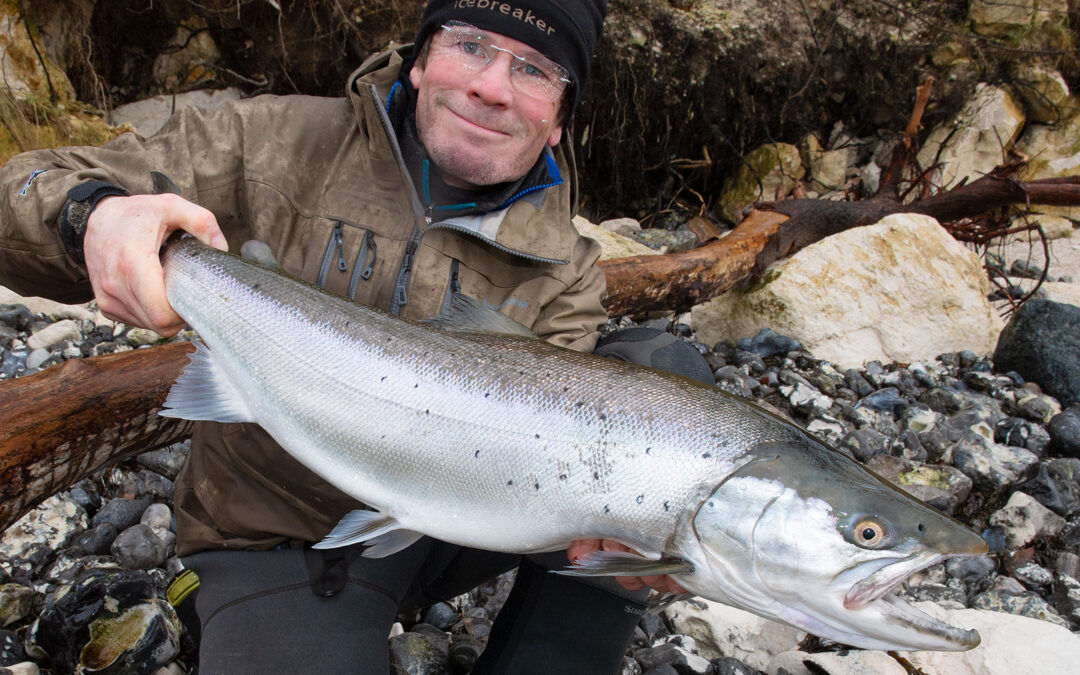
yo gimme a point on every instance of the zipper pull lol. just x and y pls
(370, 248)
(339, 243)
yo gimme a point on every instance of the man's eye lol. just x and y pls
(471, 48)
(533, 70)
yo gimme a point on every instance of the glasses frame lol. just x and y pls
(551, 90)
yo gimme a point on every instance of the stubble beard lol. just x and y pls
(473, 167)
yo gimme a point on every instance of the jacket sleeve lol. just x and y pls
(573, 319)
(201, 151)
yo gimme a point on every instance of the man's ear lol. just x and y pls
(555, 136)
(416, 74)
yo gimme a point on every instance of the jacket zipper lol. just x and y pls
(365, 262)
(335, 245)
(400, 297)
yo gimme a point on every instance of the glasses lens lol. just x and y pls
(532, 74)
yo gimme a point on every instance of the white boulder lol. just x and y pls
(612, 244)
(901, 290)
(974, 143)
(719, 630)
(854, 662)
(1011, 644)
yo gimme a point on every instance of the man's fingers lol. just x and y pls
(581, 547)
(180, 214)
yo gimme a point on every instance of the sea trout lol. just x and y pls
(503, 442)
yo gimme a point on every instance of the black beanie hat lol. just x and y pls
(565, 31)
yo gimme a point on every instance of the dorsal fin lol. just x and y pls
(469, 315)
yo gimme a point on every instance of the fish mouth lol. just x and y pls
(875, 593)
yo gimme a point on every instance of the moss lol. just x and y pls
(32, 124)
(925, 475)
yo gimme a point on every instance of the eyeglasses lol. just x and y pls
(533, 75)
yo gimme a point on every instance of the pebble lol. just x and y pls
(768, 343)
(420, 652)
(139, 548)
(54, 334)
(122, 513)
(1023, 520)
(1064, 430)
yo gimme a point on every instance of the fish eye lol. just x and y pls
(869, 533)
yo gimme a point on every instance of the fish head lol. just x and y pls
(804, 535)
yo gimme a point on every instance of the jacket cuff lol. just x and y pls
(76, 212)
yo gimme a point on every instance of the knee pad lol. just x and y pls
(656, 349)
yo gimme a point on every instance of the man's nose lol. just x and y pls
(492, 84)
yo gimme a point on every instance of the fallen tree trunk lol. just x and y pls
(60, 425)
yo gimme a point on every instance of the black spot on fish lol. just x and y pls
(382, 379)
(256, 286)
(706, 455)
(487, 393)
(536, 486)
(596, 475)
(348, 323)
(416, 385)
(665, 506)
(607, 509)
(562, 476)
(477, 455)
(565, 389)
(648, 450)
(427, 411)
(389, 339)
(579, 404)
(509, 482)
(922, 528)
(603, 417)
(538, 435)
(640, 499)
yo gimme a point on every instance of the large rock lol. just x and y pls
(720, 630)
(1015, 17)
(1054, 152)
(1011, 644)
(150, 114)
(1044, 92)
(39, 108)
(612, 245)
(1042, 343)
(976, 140)
(901, 290)
(853, 662)
(768, 174)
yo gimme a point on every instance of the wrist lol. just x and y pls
(74, 216)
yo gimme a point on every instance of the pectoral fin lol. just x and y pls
(383, 534)
(622, 564)
(204, 392)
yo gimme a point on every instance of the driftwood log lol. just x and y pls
(62, 424)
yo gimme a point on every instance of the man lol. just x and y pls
(441, 172)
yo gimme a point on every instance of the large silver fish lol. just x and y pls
(507, 443)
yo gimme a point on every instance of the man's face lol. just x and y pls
(477, 127)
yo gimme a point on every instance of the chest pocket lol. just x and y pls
(352, 261)
(511, 284)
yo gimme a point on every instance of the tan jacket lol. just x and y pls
(321, 181)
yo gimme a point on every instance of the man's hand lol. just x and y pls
(123, 238)
(661, 583)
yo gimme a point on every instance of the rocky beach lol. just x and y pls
(85, 574)
(944, 359)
